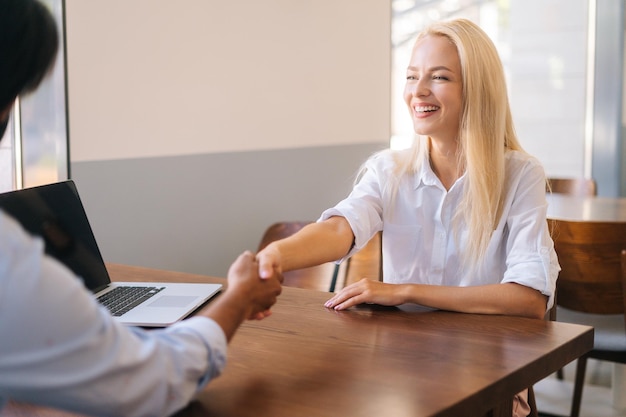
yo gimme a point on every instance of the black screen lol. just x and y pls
(55, 213)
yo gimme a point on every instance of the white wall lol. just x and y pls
(161, 77)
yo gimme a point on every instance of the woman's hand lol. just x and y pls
(270, 262)
(367, 291)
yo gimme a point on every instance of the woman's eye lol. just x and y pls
(440, 77)
(411, 77)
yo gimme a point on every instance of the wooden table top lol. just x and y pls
(306, 360)
(590, 209)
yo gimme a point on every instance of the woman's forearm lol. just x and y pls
(507, 299)
(315, 244)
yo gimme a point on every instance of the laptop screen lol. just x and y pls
(55, 213)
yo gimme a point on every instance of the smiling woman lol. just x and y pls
(462, 212)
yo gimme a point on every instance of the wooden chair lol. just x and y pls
(581, 187)
(590, 289)
(366, 263)
(321, 277)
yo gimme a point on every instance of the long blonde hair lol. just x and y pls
(485, 132)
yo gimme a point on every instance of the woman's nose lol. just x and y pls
(421, 88)
(418, 88)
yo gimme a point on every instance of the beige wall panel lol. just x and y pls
(160, 78)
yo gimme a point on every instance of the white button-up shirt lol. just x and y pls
(421, 242)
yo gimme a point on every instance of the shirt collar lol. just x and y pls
(426, 177)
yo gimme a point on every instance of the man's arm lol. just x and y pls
(63, 349)
(246, 296)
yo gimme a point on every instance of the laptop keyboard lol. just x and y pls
(122, 299)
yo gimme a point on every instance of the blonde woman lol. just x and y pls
(463, 212)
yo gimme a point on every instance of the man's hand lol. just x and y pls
(247, 295)
(260, 293)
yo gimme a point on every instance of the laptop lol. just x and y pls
(56, 214)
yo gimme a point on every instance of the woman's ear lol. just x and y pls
(4, 118)
(4, 112)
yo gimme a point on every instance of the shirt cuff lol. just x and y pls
(215, 341)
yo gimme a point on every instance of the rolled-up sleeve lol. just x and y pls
(363, 207)
(531, 259)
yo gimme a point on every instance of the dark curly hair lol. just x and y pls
(29, 42)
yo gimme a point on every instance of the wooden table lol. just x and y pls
(306, 360)
(586, 209)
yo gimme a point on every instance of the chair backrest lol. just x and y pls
(313, 278)
(589, 254)
(624, 278)
(581, 187)
(279, 231)
(366, 263)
